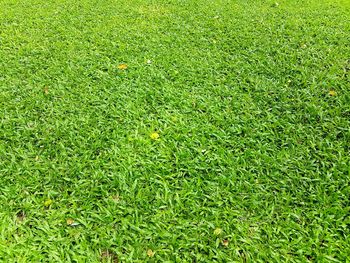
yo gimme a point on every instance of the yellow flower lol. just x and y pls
(122, 66)
(332, 93)
(48, 202)
(150, 253)
(154, 135)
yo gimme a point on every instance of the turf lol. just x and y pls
(174, 131)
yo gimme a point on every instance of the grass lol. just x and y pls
(225, 139)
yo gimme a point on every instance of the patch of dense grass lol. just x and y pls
(250, 100)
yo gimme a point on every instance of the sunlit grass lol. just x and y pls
(174, 131)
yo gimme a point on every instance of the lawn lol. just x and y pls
(174, 131)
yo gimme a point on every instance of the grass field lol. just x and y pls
(174, 131)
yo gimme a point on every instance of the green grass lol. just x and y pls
(252, 149)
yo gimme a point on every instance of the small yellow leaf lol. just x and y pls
(116, 198)
(122, 66)
(70, 221)
(225, 243)
(48, 202)
(150, 253)
(332, 93)
(46, 90)
(154, 135)
(217, 231)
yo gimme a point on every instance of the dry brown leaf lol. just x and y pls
(225, 243)
(109, 256)
(21, 216)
